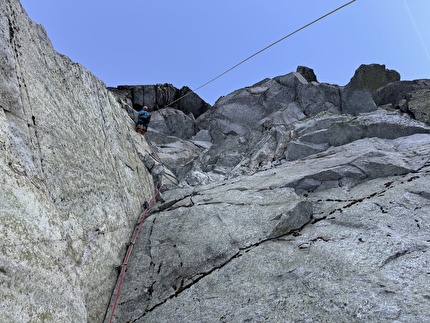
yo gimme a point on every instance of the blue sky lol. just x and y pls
(141, 42)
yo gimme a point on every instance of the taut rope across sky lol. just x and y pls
(262, 50)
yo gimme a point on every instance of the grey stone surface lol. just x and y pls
(211, 254)
(307, 73)
(72, 183)
(319, 133)
(316, 98)
(399, 94)
(356, 101)
(247, 250)
(161, 96)
(202, 231)
(175, 153)
(357, 95)
(173, 122)
(372, 77)
(419, 105)
(276, 207)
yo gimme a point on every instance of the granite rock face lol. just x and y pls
(160, 96)
(308, 203)
(289, 118)
(72, 181)
(289, 200)
(339, 236)
(409, 97)
(357, 94)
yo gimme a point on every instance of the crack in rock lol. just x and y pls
(199, 276)
(353, 202)
(169, 206)
(401, 253)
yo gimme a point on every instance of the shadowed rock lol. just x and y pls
(357, 94)
(161, 96)
(307, 73)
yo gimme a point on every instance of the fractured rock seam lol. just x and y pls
(240, 253)
(403, 252)
(351, 202)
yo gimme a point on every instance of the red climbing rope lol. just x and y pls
(130, 248)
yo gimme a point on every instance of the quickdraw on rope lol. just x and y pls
(127, 255)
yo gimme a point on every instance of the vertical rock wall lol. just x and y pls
(71, 180)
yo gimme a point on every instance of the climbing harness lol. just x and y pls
(260, 51)
(130, 248)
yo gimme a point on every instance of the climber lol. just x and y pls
(143, 118)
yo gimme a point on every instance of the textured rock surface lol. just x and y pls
(373, 77)
(309, 213)
(72, 182)
(357, 94)
(340, 236)
(409, 97)
(160, 95)
(419, 105)
(298, 201)
(255, 127)
(250, 130)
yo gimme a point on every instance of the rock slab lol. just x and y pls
(72, 182)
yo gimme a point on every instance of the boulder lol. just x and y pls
(357, 95)
(289, 97)
(394, 92)
(356, 101)
(270, 148)
(286, 116)
(372, 77)
(175, 153)
(202, 135)
(317, 98)
(399, 94)
(191, 103)
(223, 157)
(287, 132)
(419, 105)
(160, 96)
(307, 73)
(242, 107)
(291, 80)
(173, 122)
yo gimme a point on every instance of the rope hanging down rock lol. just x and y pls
(130, 248)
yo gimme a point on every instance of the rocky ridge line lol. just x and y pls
(291, 208)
